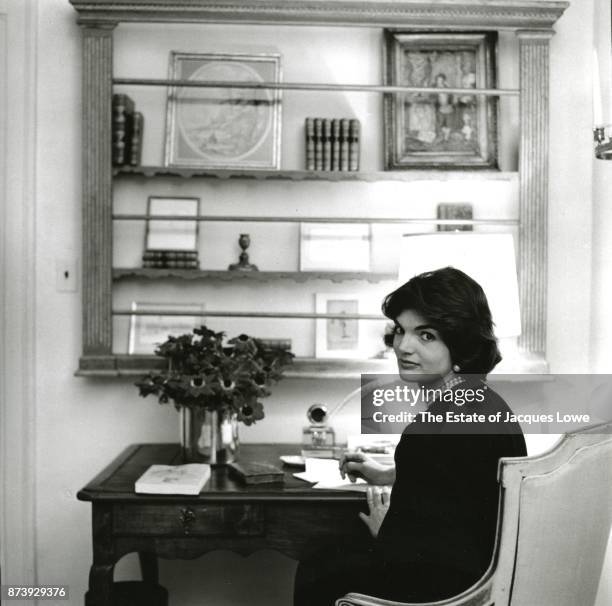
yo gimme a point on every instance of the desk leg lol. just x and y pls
(148, 567)
(101, 572)
(100, 585)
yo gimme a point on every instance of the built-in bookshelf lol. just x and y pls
(532, 24)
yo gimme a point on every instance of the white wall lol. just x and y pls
(82, 423)
(601, 323)
(601, 328)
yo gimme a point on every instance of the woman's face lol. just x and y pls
(421, 353)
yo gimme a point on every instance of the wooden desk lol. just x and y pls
(291, 518)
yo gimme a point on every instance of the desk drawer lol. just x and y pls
(188, 519)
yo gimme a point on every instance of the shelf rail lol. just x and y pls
(265, 219)
(315, 87)
(250, 314)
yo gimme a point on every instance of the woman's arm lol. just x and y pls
(358, 465)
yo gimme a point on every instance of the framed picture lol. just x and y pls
(168, 234)
(335, 246)
(147, 332)
(338, 337)
(223, 127)
(440, 129)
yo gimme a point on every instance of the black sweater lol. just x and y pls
(444, 501)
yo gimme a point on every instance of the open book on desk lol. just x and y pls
(326, 474)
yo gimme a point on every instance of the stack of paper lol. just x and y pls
(326, 475)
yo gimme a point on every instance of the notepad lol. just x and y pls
(326, 476)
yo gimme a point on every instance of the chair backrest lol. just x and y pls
(555, 522)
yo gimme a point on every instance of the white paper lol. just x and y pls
(325, 473)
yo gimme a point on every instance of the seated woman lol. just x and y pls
(434, 536)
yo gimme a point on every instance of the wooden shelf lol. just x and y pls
(123, 365)
(525, 367)
(307, 175)
(131, 273)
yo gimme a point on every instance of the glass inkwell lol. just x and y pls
(318, 438)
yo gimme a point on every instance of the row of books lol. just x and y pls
(171, 259)
(332, 144)
(127, 130)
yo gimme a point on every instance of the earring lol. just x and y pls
(456, 368)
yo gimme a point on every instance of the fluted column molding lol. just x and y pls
(97, 189)
(533, 186)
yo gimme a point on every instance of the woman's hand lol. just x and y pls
(358, 465)
(379, 499)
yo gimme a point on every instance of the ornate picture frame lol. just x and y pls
(440, 130)
(223, 127)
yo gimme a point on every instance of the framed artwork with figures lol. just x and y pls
(450, 128)
(226, 126)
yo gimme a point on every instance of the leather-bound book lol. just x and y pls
(335, 145)
(135, 139)
(318, 143)
(249, 472)
(310, 143)
(123, 109)
(354, 145)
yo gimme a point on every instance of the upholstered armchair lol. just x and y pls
(553, 528)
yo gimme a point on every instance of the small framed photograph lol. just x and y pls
(440, 129)
(338, 337)
(147, 332)
(335, 246)
(169, 234)
(224, 127)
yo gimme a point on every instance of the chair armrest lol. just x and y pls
(479, 595)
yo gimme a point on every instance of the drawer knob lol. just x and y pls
(187, 518)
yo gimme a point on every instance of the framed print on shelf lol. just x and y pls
(440, 129)
(335, 247)
(168, 234)
(147, 332)
(223, 127)
(338, 338)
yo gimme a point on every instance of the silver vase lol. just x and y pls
(209, 436)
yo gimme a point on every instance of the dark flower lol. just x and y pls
(250, 412)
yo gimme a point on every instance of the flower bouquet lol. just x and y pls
(215, 384)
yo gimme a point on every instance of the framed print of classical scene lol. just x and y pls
(229, 127)
(442, 129)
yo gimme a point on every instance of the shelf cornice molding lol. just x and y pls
(455, 14)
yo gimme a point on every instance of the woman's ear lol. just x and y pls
(389, 334)
(388, 339)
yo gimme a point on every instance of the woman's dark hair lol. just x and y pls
(456, 306)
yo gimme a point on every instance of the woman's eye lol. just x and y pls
(428, 336)
(398, 330)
